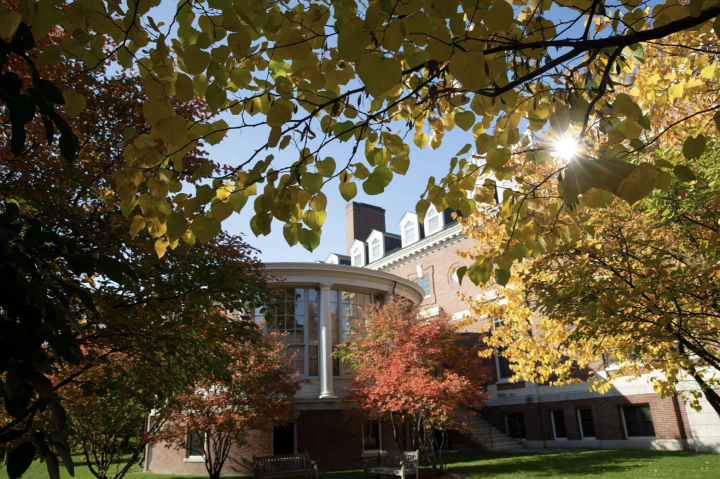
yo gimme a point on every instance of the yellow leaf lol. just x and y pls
(468, 69)
(497, 157)
(161, 245)
(74, 103)
(378, 74)
(137, 224)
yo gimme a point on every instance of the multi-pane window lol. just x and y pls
(196, 445)
(409, 232)
(376, 251)
(346, 309)
(638, 421)
(497, 322)
(424, 283)
(357, 257)
(433, 222)
(503, 366)
(558, 419)
(296, 316)
(587, 426)
(371, 436)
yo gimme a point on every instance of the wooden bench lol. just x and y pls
(267, 467)
(395, 463)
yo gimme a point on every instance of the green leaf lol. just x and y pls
(464, 150)
(480, 273)
(693, 147)
(348, 190)
(502, 276)
(374, 185)
(638, 184)
(465, 120)
(315, 219)
(379, 74)
(312, 182)
(497, 157)
(237, 201)
(176, 226)
(461, 273)
(683, 173)
(421, 209)
(291, 232)
(205, 228)
(20, 459)
(310, 239)
(201, 172)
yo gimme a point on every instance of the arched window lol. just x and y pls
(357, 257)
(375, 249)
(409, 232)
(432, 223)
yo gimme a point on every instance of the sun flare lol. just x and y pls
(566, 147)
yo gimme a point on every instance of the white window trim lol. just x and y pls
(371, 452)
(408, 218)
(360, 246)
(272, 438)
(580, 426)
(635, 438)
(196, 457)
(441, 220)
(552, 419)
(497, 368)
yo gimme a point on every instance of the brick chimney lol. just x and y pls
(361, 219)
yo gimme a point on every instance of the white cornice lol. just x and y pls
(434, 242)
(377, 282)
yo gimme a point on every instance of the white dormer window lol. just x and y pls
(376, 250)
(357, 257)
(409, 233)
(434, 221)
(409, 228)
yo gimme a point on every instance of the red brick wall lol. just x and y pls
(360, 220)
(444, 288)
(167, 460)
(325, 434)
(669, 417)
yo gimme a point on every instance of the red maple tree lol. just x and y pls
(415, 371)
(255, 395)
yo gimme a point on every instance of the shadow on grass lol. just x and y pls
(607, 463)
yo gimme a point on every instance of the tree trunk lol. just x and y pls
(712, 397)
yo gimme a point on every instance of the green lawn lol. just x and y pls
(586, 464)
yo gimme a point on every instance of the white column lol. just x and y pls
(326, 372)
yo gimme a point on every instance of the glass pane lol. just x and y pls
(313, 308)
(559, 421)
(297, 293)
(334, 296)
(313, 294)
(313, 361)
(299, 321)
(371, 436)
(586, 423)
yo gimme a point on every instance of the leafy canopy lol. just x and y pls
(305, 74)
(638, 289)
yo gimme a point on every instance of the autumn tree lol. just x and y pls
(255, 395)
(76, 291)
(638, 290)
(309, 75)
(415, 371)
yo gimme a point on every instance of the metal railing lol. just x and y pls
(488, 418)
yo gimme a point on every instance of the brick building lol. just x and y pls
(629, 416)
(320, 302)
(416, 263)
